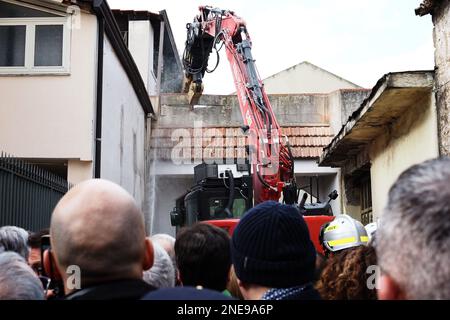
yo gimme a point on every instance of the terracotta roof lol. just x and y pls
(220, 143)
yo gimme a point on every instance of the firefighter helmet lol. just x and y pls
(342, 233)
(371, 228)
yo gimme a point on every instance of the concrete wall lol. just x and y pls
(305, 78)
(441, 20)
(167, 190)
(123, 129)
(411, 140)
(290, 109)
(224, 111)
(342, 103)
(52, 116)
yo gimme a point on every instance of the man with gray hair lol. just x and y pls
(413, 238)
(167, 242)
(14, 239)
(17, 279)
(162, 273)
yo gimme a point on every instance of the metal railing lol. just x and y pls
(28, 194)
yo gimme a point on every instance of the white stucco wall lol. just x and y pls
(411, 140)
(123, 129)
(52, 116)
(141, 46)
(305, 78)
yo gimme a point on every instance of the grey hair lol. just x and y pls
(14, 239)
(18, 281)
(161, 274)
(413, 238)
(161, 239)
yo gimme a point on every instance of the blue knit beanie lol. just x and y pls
(271, 247)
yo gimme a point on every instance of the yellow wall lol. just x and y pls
(410, 140)
(52, 116)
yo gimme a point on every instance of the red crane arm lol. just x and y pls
(270, 156)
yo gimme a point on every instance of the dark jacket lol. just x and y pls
(116, 290)
(185, 293)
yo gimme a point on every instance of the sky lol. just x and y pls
(359, 40)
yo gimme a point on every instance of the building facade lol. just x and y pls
(76, 92)
(393, 129)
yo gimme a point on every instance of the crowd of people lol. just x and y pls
(99, 250)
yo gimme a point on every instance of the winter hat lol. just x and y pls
(271, 247)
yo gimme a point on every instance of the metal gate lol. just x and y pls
(28, 194)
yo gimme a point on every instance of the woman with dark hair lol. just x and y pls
(345, 275)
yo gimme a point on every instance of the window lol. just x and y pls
(217, 205)
(366, 201)
(12, 50)
(33, 41)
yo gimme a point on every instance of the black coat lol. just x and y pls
(116, 290)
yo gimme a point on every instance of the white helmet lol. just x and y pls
(342, 233)
(371, 228)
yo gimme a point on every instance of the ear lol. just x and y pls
(241, 284)
(388, 289)
(149, 255)
(50, 267)
(243, 288)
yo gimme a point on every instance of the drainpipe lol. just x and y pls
(99, 102)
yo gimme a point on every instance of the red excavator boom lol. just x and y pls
(269, 152)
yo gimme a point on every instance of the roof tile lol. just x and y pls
(217, 143)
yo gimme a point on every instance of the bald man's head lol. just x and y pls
(98, 227)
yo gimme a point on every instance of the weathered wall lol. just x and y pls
(172, 72)
(224, 111)
(52, 116)
(441, 20)
(123, 129)
(290, 109)
(305, 78)
(411, 140)
(351, 100)
(342, 103)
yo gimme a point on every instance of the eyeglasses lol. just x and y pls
(46, 282)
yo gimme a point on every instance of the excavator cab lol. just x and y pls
(218, 195)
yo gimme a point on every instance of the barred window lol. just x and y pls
(366, 200)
